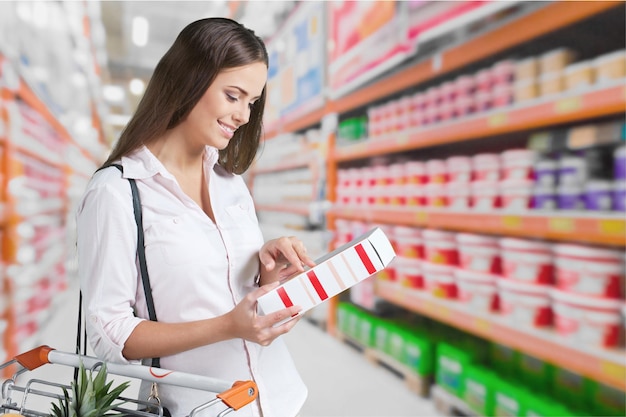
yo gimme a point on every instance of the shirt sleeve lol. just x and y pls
(107, 268)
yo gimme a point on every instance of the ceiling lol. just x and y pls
(166, 19)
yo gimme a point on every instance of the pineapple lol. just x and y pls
(91, 397)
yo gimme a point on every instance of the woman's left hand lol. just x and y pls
(281, 258)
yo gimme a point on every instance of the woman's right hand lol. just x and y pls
(247, 324)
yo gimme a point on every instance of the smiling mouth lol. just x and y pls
(227, 128)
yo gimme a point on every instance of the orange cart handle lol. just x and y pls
(241, 393)
(34, 358)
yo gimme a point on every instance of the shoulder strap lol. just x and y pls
(141, 254)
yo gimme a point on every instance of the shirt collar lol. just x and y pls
(143, 164)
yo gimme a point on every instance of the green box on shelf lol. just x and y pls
(381, 335)
(503, 359)
(541, 406)
(365, 329)
(535, 373)
(419, 353)
(344, 310)
(606, 400)
(450, 369)
(571, 388)
(478, 392)
(510, 399)
(395, 344)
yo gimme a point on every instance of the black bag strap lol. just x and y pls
(143, 267)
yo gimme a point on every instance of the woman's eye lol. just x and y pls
(231, 98)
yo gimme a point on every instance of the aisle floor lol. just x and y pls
(341, 381)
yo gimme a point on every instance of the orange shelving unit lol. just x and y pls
(608, 366)
(597, 102)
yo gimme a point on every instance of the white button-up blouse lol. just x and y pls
(198, 269)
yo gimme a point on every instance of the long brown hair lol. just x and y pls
(200, 52)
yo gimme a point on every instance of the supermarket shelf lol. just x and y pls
(545, 20)
(296, 208)
(604, 365)
(294, 162)
(572, 107)
(603, 229)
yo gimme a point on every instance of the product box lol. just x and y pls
(333, 273)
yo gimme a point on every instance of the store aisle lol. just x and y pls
(341, 382)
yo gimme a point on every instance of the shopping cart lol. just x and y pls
(233, 396)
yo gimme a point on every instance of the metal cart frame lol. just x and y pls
(233, 396)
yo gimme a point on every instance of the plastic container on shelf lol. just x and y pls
(526, 89)
(464, 104)
(459, 196)
(525, 305)
(527, 260)
(448, 91)
(436, 195)
(440, 247)
(572, 169)
(483, 100)
(484, 79)
(611, 66)
(589, 271)
(415, 195)
(479, 253)
(459, 168)
(619, 196)
(503, 72)
(516, 195)
(477, 290)
(551, 83)
(409, 272)
(570, 197)
(502, 95)
(546, 172)
(415, 172)
(437, 171)
(599, 195)
(580, 75)
(439, 280)
(619, 163)
(486, 167)
(544, 197)
(464, 85)
(485, 195)
(556, 60)
(409, 242)
(587, 321)
(518, 164)
(527, 69)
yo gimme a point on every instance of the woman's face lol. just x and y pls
(225, 106)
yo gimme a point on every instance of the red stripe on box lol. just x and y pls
(284, 297)
(365, 259)
(317, 285)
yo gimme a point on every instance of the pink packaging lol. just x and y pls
(484, 79)
(458, 196)
(517, 164)
(479, 253)
(483, 100)
(479, 291)
(486, 167)
(589, 271)
(525, 305)
(437, 171)
(527, 261)
(408, 242)
(502, 95)
(517, 195)
(485, 195)
(433, 96)
(588, 321)
(409, 272)
(418, 101)
(436, 195)
(459, 169)
(415, 172)
(439, 280)
(415, 195)
(503, 72)
(464, 104)
(464, 85)
(448, 91)
(374, 121)
(440, 247)
(447, 111)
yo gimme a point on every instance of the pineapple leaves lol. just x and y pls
(91, 397)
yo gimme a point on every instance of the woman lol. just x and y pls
(196, 129)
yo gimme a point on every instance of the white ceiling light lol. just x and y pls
(140, 30)
(136, 86)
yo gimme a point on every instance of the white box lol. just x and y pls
(333, 273)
